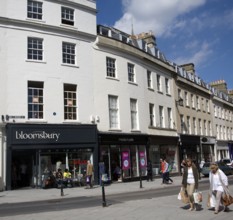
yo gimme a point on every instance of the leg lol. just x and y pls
(91, 181)
(190, 191)
(218, 201)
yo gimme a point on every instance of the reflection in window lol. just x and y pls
(35, 100)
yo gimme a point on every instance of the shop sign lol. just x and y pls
(125, 160)
(37, 135)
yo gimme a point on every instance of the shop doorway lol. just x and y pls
(22, 168)
(115, 163)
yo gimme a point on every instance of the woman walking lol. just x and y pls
(190, 181)
(218, 181)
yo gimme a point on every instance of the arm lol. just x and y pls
(224, 178)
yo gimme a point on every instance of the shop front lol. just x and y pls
(208, 153)
(165, 147)
(190, 147)
(124, 156)
(34, 150)
(222, 148)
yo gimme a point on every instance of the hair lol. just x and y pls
(214, 166)
(188, 159)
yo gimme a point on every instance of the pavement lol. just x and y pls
(161, 208)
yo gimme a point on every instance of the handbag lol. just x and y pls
(87, 179)
(227, 199)
(197, 196)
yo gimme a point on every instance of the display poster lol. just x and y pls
(142, 159)
(125, 160)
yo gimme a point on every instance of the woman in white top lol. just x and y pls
(190, 181)
(217, 178)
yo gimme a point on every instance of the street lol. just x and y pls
(160, 203)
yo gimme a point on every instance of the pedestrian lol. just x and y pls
(163, 169)
(167, 173)
(89, 174)
(149, 171)
(190, 181)
(101, 171)
(23, 174)
(218, 181)
(182, 166)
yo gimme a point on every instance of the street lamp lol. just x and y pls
(180, 102)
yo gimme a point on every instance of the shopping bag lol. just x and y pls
(211, 201)
(179, 196)
(88, 179)
(184, 196)
(197, 196)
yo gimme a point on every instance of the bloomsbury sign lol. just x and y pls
(37, 135)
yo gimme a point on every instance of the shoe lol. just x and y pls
(215, 212)
(225, 209)
(191, 209)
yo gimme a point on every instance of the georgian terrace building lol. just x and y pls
(204, 115)
(134, 101)
(46, 89)
(194, 116)
(222, 119)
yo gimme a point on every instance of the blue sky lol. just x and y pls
(187, 31)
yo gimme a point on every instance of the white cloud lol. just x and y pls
(199, 57)
(160, 16)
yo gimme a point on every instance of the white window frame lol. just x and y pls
(195, 126)
(35, 49)
(170, 119)
(159, 85)
(186, 98)
(207, 105)
(167, 86)
(35, 10)
(70, 102)
(205, 128)
(111, 67)
(188, 125)
(192, 101)
(210, 128)
(149, 79)
(113, 112)
(152, 114)
(198, 103)
(134, 114)
(67, 16)
(217, 132)
(200, 126)
(182, 124)
(161, 116)
(68, 53)
(35, 100)
(131, 72)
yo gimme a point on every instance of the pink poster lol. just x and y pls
(125, 160)
(142, 159)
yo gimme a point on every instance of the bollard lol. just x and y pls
(103, 195)
(140, 180)
(62, 193)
